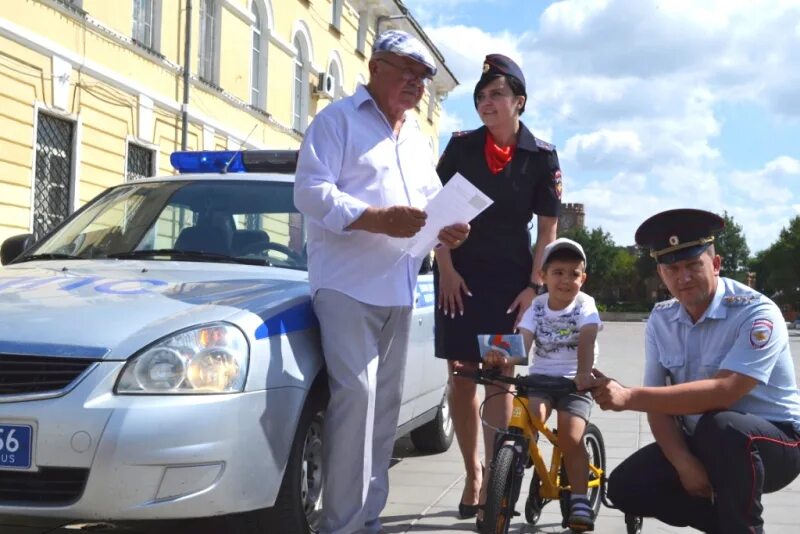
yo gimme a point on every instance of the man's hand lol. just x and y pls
(454, 235)
(401, 221)
(694, 477)
(608, 393)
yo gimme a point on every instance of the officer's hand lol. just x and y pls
(454, 235)
(608, 393)
(452, 289)
(694, 477)
(401, 221)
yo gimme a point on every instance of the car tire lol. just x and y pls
(436, 435)
(299, 503)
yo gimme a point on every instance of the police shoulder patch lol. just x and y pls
(760, 333)
(544, 145)
(741, 300)
(665, 304)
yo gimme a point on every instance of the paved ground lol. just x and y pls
(425, 490)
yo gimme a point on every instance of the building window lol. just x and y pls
(140, 162)
(258, 67)
(209, 41)
(336, 18)
(361, 38)
(335, 73)
(53, 177)
(143, 22)
(299, 118)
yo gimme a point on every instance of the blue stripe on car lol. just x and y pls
(300, 317)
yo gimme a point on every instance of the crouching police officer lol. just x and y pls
(719, 391)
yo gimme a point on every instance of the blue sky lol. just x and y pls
(653, 104)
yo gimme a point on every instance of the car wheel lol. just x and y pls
(299, 503)
(436, 435)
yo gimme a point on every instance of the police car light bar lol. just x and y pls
(220, 161)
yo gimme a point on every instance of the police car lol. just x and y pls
(160, 360)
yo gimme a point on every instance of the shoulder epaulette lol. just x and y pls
(741, 300)
(544, 145)
(665, 304)
(462, 133)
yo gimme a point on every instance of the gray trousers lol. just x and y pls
(365, 353)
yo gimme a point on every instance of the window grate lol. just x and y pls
(53, 180)
(140, 162)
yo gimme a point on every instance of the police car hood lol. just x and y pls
(112, 308)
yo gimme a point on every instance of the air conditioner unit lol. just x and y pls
(326, 85)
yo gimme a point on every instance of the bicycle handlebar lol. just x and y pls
(528, 382)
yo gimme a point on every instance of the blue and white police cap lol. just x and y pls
(676, 235)
(404, 44)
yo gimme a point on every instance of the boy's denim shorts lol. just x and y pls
(576, 403)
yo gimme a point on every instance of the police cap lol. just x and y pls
(676, 235)
(495, 65)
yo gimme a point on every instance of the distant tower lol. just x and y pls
(572, 216)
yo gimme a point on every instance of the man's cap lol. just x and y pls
(560, 244)
(676, 235)
(404, 44)
(495, 65)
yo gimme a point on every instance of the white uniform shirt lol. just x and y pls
(349, 160)
(740, 331)
(556, 334)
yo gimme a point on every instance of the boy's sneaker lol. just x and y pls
(581, 515)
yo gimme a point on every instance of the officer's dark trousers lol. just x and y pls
(744, 457)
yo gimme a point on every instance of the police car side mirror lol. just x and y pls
(14, 246)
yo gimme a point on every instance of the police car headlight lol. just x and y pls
(208, 359)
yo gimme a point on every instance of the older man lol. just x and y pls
(365, 172)
(719, 391)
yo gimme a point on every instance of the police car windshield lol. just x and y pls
(210, 220)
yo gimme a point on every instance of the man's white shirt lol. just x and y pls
(349, 160)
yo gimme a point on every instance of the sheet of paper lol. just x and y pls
(457, 202)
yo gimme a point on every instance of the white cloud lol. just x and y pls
(636, 87)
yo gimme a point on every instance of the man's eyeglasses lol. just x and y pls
(408, 73)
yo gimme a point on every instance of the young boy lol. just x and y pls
(564, 323)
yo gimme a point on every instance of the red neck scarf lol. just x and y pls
(496, 157)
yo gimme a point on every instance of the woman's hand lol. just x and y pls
(451, 290)
(522, 303)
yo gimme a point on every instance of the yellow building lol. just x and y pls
(92, 92)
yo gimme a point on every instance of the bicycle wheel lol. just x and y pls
(596, 450)
(534, 503)
(499, 507)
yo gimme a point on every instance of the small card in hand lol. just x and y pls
(509, 345)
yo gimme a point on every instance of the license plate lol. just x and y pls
(15, 446)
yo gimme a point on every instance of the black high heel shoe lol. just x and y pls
(465, 511)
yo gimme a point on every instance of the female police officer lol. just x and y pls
(485, 286)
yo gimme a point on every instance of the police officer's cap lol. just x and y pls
(498, 65)
(676, 235)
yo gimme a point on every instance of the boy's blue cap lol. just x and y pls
(404, 44)
(676, 235)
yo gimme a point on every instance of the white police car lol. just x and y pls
(160, 360)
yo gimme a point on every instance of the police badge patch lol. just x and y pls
(557, 185)
(760, 333)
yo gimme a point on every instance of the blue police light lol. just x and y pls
(207, 161)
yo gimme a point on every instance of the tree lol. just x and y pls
(778, 267)
(611, 273)
(732, 247)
